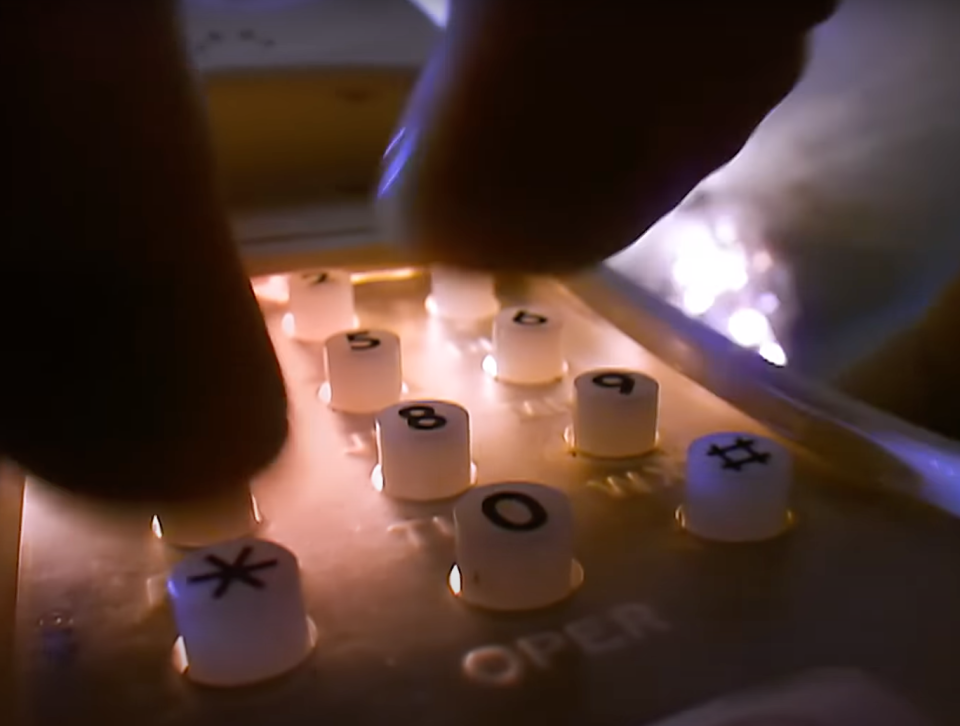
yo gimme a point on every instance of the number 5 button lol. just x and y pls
(424, 450)
(514, 546)
(615, 413)
(363, 370)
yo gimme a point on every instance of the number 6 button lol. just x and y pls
(363, 370)
(424, 450)
(514, 545)
(615, 413)
(528, 346)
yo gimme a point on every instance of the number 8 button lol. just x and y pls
(424, 450)
(514, 546)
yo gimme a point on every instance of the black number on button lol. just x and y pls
(317, 279)
(422, 418)
(362, 340)
(621, 381)
(537, 513)
(524, 318)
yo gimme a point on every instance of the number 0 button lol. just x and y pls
(363, 370)
(424, 450)
(514, 546)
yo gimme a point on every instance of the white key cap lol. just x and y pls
(461, 294)
(738, 488)
(615, 413)
(424, 450)
(201, 522)
(239, 609)
(528, 346)
(321, 303)
(271, 290)
(514, 545)
(363, 370)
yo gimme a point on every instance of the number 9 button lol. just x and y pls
(424, 450)
(363, 370)
(514, 545)
(615, 413)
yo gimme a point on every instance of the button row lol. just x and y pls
(528, 344)
(240, 610)
(424, 446)
(322, 302)
(737, 485)
(615, 411)
(364, 368)
(239, 605)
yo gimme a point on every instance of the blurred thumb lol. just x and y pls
(138, 364)
(546, 136)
